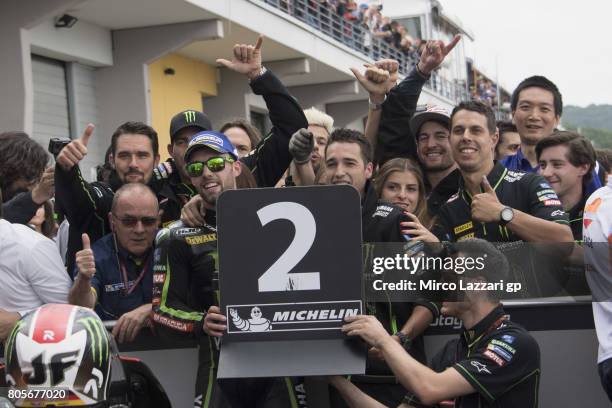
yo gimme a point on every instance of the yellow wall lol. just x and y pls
(170, 94)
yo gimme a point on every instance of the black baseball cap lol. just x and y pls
(188, 118)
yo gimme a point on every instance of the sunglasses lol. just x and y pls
(131, 222)
(214, 164)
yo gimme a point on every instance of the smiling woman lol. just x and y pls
(400, 181)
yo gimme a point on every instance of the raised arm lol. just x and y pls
(271, 157)
(394, 137)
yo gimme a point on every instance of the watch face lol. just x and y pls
(507, 214)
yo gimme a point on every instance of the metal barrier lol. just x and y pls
(356, 36)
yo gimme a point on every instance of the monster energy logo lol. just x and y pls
(97, 334)
(11, 340)
(190, 116)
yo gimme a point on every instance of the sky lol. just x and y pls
(569, 42)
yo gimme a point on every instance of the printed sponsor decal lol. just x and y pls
(508, 338)
(495, 358)
(470, 235)
(546, 191)
(586, 222)
(503, 345)
(382, 211)
(464, 227)
(287, 317)
(557, 213)
(545, 185)
(159, 277)
(480, 367)
(181, 232)
(201, 239)
(173, 324)
(548, 197)
(499, 351)
(551, 202)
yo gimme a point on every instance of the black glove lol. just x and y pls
(301, 146)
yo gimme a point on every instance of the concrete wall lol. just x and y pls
(84, 42)
(172, 93)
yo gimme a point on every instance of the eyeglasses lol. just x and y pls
(129, 221)
(214, 164)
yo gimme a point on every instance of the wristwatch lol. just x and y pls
(376, 106)
(506, 215)
(405, 341)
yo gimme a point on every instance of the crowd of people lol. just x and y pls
(362, 25)
(139, 246)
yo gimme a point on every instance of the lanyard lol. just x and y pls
(124, 276)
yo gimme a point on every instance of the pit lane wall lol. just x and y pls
(564, 331)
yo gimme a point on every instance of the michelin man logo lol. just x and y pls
(257, 323)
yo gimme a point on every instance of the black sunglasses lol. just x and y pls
(129, 221)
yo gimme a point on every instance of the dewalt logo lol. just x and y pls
(190, 116)
(201, 239)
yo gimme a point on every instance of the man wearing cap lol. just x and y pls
(431, 129)
(494, 362)
(404, 131)
(185, 265)
(185, 258)
(176, 188)
(270, 158)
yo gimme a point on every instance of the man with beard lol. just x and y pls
(184, 295)
(266, 162)
(432, 130)
(134, 155)
(494, 362)
(406, 132)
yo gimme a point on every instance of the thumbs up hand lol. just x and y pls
(486, 206)
(75, 151)
(85, 261)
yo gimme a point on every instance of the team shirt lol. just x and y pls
(526, 192)
(499, 358)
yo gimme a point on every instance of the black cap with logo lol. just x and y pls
(188, 118)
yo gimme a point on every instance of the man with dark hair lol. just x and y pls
(134, 155)
(566, 160)
(537, 106)
(398, 128)
(509, 140)
(270, 157)
(348, 159)
(493, 202)
(23, 178)
(494, 362)
(115, 275)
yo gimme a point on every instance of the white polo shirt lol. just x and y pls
(31, 270)
(597, 236)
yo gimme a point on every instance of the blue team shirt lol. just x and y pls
(113, 300)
